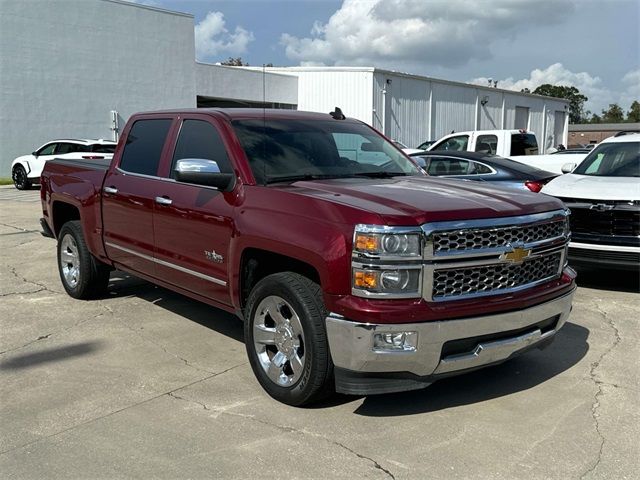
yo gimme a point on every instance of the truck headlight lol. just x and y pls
(396, 282)
(387, 244)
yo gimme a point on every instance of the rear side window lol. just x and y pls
(487, 144)
(103, 148)
(200, 139)
(144, 145)
(524, 144)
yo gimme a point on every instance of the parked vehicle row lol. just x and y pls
(352, 269)
(26, 170)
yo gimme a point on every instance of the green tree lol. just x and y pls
(633, 115)
(576, 99)
(234, 62)
(614, 114)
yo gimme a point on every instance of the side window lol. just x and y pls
(448, 166)
(487, 144)
(65, 148)
(200, 139)
(479, 169)
(48, 149)
(144, 144)
(455, 144)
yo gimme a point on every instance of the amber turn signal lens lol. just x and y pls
(367, 243)
(363, 279)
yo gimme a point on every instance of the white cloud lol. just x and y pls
(591, 86)
(214, 39)
(441, 32)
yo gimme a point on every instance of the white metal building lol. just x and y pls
(80, 68)
(412, 108)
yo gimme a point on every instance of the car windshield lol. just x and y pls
(289, 150)
(612, 160)
(103, 148)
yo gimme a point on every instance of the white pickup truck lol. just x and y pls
(518, 145)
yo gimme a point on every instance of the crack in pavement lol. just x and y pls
(43, 287)
(159, 345)
(48, 335)
(600, 385)
(287, 429)
(115, 412)
(20, 230)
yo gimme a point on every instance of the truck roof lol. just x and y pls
(250, 113)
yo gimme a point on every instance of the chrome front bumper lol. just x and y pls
(351, 343)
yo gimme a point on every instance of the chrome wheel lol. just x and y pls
(278, 340)
(69, 260)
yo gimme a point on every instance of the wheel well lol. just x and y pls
(257, 264)
(63, 213)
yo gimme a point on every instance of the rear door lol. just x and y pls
(193, 223)
(129, 192)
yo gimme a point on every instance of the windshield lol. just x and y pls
(289, 150)
(612, 160)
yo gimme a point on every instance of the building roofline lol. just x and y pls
(409, 75)
(257, 70)
(597, 127)
(150, 7)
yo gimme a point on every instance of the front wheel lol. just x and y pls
(82, 276)
(286, 339)
(20, 179)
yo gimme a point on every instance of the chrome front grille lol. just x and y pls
(489, 257)
(494, 237)
(456, 282)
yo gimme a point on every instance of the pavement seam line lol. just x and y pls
(162, 347)
(106, 415)
(600, 385)
(287, 429)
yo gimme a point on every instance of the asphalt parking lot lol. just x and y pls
(147, 383)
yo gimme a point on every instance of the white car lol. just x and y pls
(26, 170)
(603, 193)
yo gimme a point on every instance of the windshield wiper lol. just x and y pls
(306, 176)
(378, 174)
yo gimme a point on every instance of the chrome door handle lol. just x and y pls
(163, 200)
(111, 190)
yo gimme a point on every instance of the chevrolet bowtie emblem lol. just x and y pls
(517, 255)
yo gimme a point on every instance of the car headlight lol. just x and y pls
(386, 244)
(387, 262)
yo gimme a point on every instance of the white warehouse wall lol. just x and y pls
(66, 64)
(235, 83)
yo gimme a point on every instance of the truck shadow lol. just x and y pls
(607, 279)
(519, 374)
(51, 355)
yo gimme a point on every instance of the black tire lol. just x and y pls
(305, 298)
(19, 177)
(91, 276)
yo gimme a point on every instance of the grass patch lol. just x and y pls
(6, 181)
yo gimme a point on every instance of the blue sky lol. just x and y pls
(592, 44)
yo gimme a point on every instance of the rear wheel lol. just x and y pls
(286, 339)
(19, 177)
(82, 276)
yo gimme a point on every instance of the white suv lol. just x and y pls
(603, 193)
(25, 170)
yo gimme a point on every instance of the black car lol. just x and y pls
(483, 167)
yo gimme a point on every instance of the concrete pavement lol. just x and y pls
(147, 383)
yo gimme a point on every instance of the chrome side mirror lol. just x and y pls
(569, 167)
(200, 171)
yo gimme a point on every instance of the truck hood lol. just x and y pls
(408, 200)
(592, 187)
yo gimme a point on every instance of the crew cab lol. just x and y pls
(518, 145)
(603, 193)
(26, 169)
(351, 268)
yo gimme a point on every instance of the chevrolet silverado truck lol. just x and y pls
(352, 270)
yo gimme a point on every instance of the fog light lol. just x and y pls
(395, 341)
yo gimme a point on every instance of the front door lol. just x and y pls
(193, 224)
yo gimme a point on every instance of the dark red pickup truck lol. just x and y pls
(352, 270)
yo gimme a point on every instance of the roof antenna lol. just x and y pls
(337, 114)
